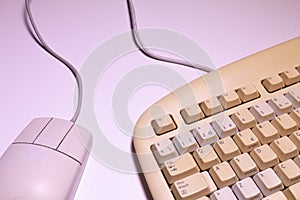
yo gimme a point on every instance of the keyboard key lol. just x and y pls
(284, 124)
(268, 182)
(246, 189)
(243, 119)
(276, 196)
(295, 137)
(264, 157)
(248, 93)
(243, 165)
(190, 187)
(230, 99)
(163, 124)
(284, 148)
(226, 149)
(203, 198)
(262, 112)
(224, 126)
(297, 160)
(179, 167)
(164, 150)
(211, 106)
(223, 194)
(265, 132)
(246, 140)
(205, 134)
(295, 114)
(294, 97)
(185, 142)
(206, 157)
(192, 113)
(290, 76)
(288, 172)
(293, 192)
(223, 175)
(280, 104)
(273, 83)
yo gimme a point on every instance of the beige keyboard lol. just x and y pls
(231, 134)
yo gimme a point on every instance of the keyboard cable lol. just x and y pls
(147, 52)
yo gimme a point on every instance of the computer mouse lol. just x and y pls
(45, 161)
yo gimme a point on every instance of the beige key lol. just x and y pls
(268, 182)
(276, 196)
(179, 167)
(293, 192)
(246, 140)
(206, 157)
(295, 138)
(284, 148)
(284, 124)
(185, 142)
(265, 132)
(243, 119)
(246, 189)
(297, 160)
(223, 175)
(264, 157)
(163, 124)
(203, 198)
(295, 114)
(294, 97)
(211, 106)
(224, 193)
(290, 76)
(224, 126)
(280, 104)
(248, 93)
(226, 149)
(273, 83)
(262, 112)
(243, 165)
(192, 113)
(230, 99)
(288, 172)
(190, 187)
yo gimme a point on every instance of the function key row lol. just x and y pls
(279, 81)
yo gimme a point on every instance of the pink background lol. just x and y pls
(33, 84)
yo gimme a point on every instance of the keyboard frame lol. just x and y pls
(252, 69)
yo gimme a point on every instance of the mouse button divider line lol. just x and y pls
(42, 131)
(65, 136)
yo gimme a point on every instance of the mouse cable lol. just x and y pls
(74, 71)
(147, 52)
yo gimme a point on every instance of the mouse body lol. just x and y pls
(46, 161)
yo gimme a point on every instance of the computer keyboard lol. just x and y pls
(231, 134)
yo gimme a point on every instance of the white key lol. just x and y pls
(185, 142)
(164, 150)
(294, 97)
(223, 194)
(224, 126)
(268, 182)
(262, 112)
(246, 189)
(280, 104)
(276, 196)
(205, 134)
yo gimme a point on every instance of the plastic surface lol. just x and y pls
(45, 161)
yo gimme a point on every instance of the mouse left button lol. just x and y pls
(32, 130)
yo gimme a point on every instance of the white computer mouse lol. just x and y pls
(46, 161)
